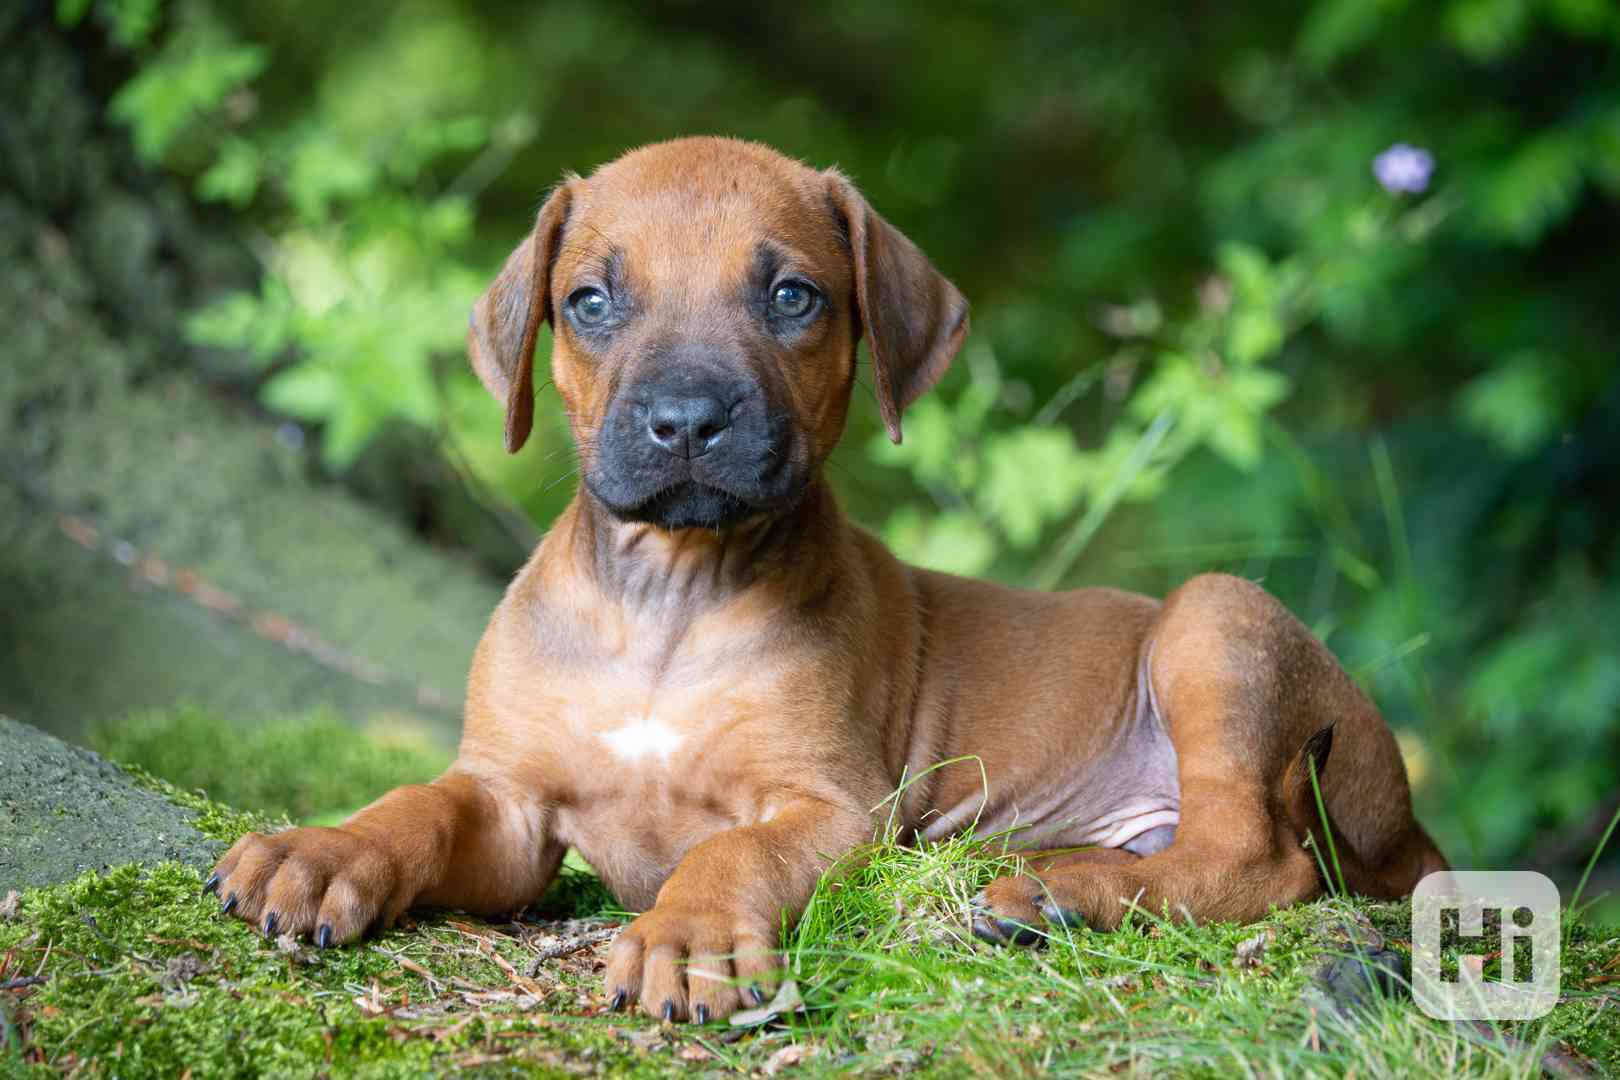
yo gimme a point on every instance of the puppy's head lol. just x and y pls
(706, 297)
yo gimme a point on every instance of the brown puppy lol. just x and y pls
(706, 679)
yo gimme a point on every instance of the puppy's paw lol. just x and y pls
(1006, 912)
(682, 963)
(326, 883)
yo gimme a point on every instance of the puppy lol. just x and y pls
(707, 680)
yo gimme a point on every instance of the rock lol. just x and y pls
(1357, 981)
(162, 541)
(64, 810)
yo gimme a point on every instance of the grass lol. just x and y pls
(143, 978)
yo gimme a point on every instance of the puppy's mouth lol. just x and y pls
(689, 505)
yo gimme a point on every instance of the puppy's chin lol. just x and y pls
(687, 505)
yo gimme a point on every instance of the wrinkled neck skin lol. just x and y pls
(663, 575)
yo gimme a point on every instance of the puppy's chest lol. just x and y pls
(656, 758)
(651, 729)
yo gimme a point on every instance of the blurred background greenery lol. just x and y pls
(1213, 329)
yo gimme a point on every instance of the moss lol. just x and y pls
(312, 767)
(145, 978)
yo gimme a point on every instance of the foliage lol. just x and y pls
(1205, 337)
(310, 768)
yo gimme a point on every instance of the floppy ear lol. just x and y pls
(505, 320)
(915, 319)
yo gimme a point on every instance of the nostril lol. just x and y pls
(686, 427)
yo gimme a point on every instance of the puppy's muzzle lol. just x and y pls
(681, 449)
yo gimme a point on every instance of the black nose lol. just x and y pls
(687, 427)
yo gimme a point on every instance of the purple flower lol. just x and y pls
(1403, 169)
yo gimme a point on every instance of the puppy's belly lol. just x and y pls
(1129, 797)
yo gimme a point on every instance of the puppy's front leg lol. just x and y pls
(464, 841)
(711, 936)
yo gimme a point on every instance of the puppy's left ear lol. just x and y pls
(914, 317)
(506, 319)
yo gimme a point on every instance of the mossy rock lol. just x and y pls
(138, 482)
(71, 810)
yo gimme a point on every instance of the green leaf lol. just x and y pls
(1517, 406)
(1221, 409)
(1487, 29)
(1336, 28)
(1033, 476)
(234, 176)
(347, 432)
(306, 391)
(954, 542)
(1535, 189)
(1251, 273)
(1254, 334)
(133, 21)
(260, 324)
(198, 66)
(70, 13)
(1586, 18)
(325, 170)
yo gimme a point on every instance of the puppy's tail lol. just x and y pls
(1401, 863)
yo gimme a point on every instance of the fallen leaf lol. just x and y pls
(10, 905)
(787, 1000)
(1251, 951)
(289, 947)
(181, 970)
(788, 1057)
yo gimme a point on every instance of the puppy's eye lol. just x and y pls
(793, 299)
(590, 306)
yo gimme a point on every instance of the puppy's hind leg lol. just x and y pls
(1243, 688)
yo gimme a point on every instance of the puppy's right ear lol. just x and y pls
(505, 320)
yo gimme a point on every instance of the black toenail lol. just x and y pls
(669, 1011)
(323, 937)
(211, 884)
(1003, 931)
(701, 1014)
(1017, 933)
(270, 925)
(229, 905)
(1067, 918)
(618, 1001)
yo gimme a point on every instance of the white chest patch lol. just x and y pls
(647, 737)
